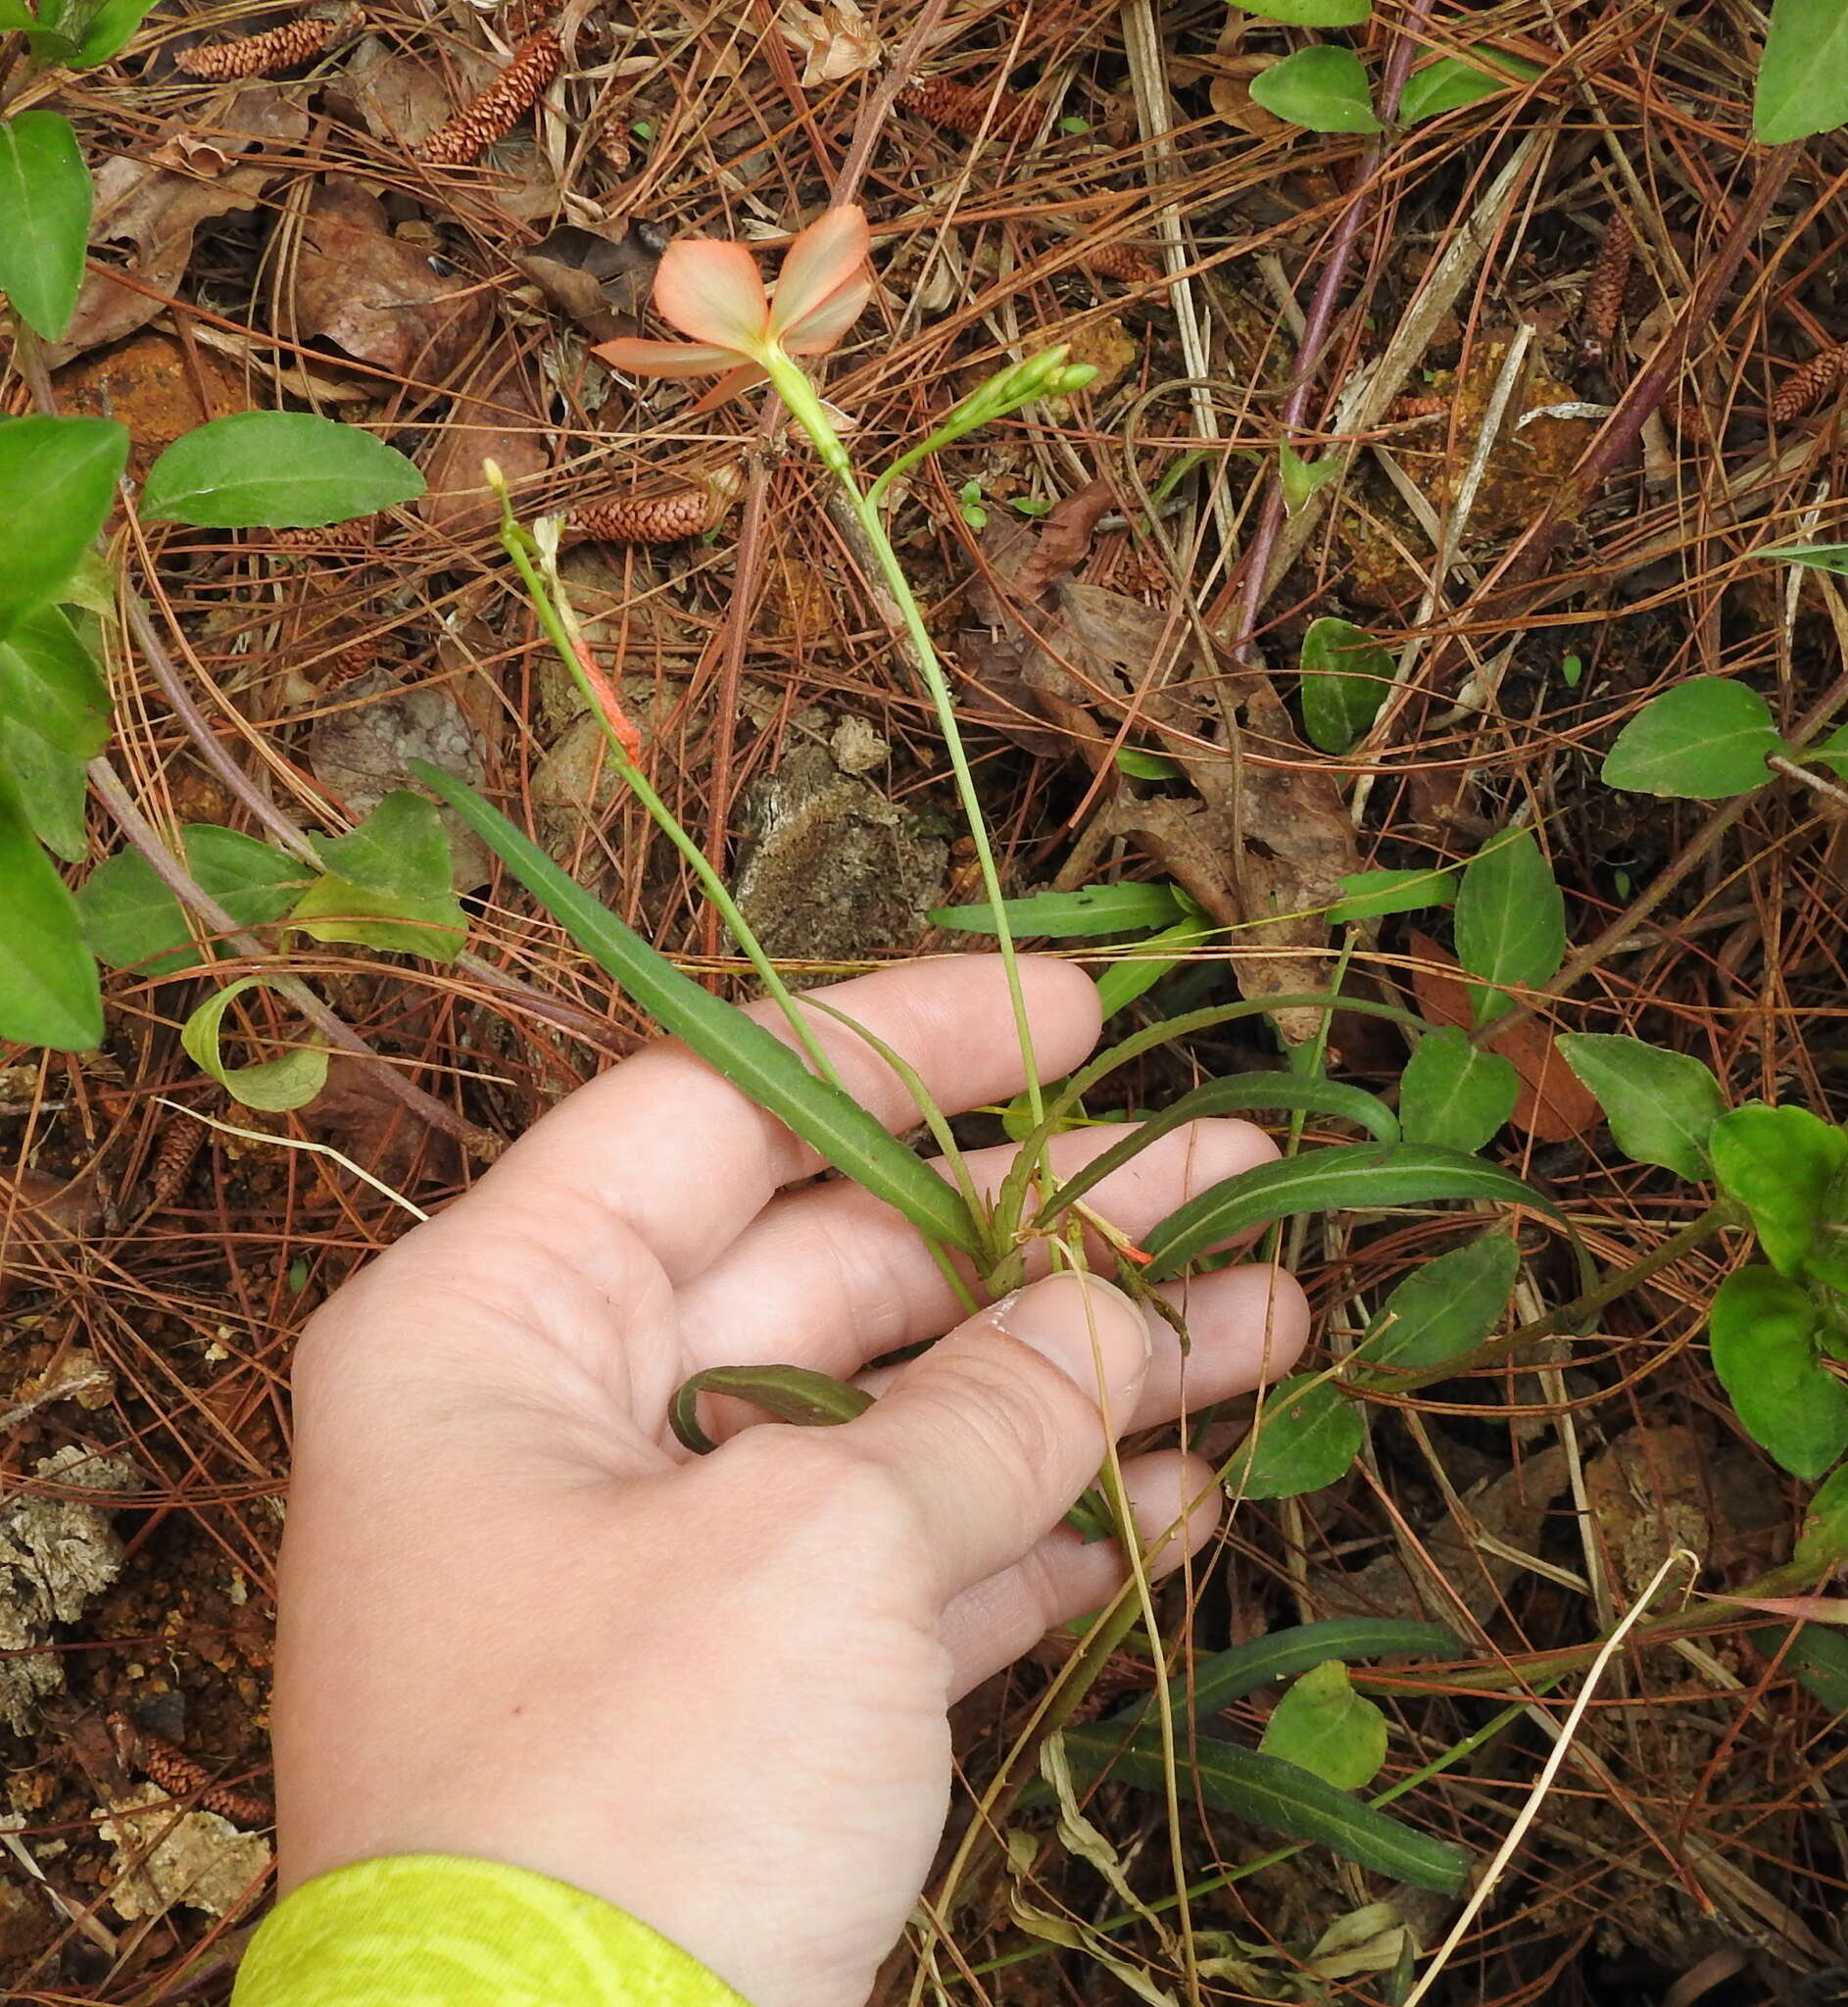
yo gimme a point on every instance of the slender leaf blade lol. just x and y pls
(1071, 916)
(1373, 895)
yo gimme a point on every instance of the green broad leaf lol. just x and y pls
(1816, 1658)
(1371, 894)
(1236, 1094)
(132, 922)
(1346, 676)
(1141, 766)
(757, 1063)
(109, 30)
(1307, 1436)
(1341, 1178)
(1324, 1726)
(61, 473)
(1803, 73)
(54, 717)
(276, 471)
(45, 201)
(53, 789)
(388, 884)
(1818, 556)
(1324, 89)
(1440, 1311)
(1454, 1092)
(1309, 12)
(1784, 1167)
(1703, 740)
(1824, 1541)
(1510, 920)
(1762, 1333)
(1661, 1107)
(274, 1086)
(1070, 915)
(1302, 479)
(1830, 752)
(1450, 83)
(1125, 978)
(49, 991)
(792, 1393)
(1282, 1797)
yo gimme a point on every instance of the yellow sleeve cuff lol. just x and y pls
(437, 1931)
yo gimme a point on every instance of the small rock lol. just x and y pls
(165, 1858)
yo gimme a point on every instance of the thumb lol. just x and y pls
(994, 1432)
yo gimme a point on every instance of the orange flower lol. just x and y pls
(711, 288)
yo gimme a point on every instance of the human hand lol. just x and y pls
(520, 1623)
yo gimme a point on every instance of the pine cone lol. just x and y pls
(336, 671)
(964, 109)
(499, 108)
(334, 536)
(1120, 263)
(645, 519)
(1809, 383)
(173, 1158)
(1607, 284)
(274, 50)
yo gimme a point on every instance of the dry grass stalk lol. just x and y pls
(1120, 263)
(499, 108)
(180, 1777)
(1609, 281)
(1809, 383)
(965, 109)
(645, 519)
(173, 1158)
(265, 55)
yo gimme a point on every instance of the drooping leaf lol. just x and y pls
(796, 1395)
(276, 471)
(1338, 1178)
(1454, 1092)
(1324, 87)
(388, 884)
(1700, 741)
(1346, 676)
(1784, 1167)
(54, 717)
(61, 474)
(1324, 1726)
(1071, 916)
(49, 992)
(1510, 920)
(1440, 1311)
(1306, 1436)
(760, 1065)
(1448, 82)
(1309, 12)
(1762, 1333)
(1803, 74)
(274, 1086)
(131, 920)
(1661, 1105)
(45, 218)
(1371, 894)
(1300, 479)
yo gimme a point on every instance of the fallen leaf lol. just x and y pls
(1553, 1105)
(834, 40)
(38, 1211)
(601, 281)
(400, 98)
(352, 283)
(165, 1858)
(495, 415)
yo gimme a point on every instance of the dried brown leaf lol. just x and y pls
(834, 39)
(498, 416)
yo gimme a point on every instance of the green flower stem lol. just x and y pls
(555, 617)
(799, 395)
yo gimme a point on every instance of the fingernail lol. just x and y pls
(1081, 1323)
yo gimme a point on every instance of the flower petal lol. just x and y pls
(822, 326)
(664, 358)
(712, 290)
(823, 258)
(728, 387)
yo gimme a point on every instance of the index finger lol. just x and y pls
(682, 1159)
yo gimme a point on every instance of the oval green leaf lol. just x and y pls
(1346, 676)
(132, 922)
(1324, 1726)
(1510, 920)
(1449, 82)
(388, 884)
(1324, 89)
(1661, 1107)
(1306, 1436)
(68, 468)
(45, 218)
(274, 1086)
(1762, 1333)
(1454, 1092)
(276, 471)
(1803, 74)
(1784, 1167)
(1440, 1311)
(49, 992)
(1703, 740)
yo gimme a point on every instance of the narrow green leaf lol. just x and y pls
(1309, 12)
(1448, 82)
(792, 1393)
(1371, 894)
(1762, 1333)
(45, 218)
(67, 471)
(1307, 1436)
(1784, 1167)
(276, 471)
(49, 992)
(1323, 87)
(1324, 1726)
(1818, 556)
(1339, 1178)
(1346, 676)
(758, 1064)
(131, 920)
(1510, 920)
(1823, 1543)
(1236, 1094)
(1661, 1107)
(1702, 740)
(1803, 74)
(1440, 1311)
(1064, 915)
(1127, 977)
(1454, 1092)
(274, 1086)
(1299, 478)
(1817, 1659)
(1141, 766)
